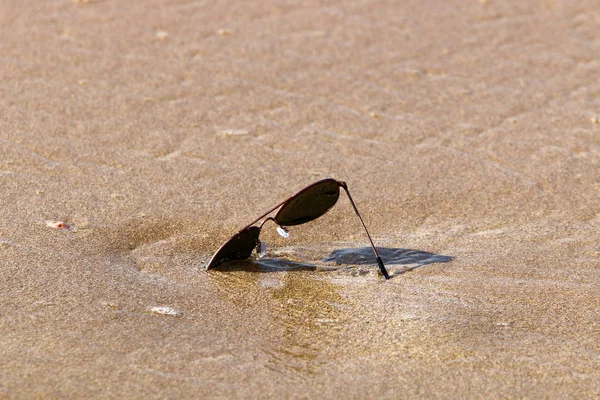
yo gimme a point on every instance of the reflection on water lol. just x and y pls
(309, 314)
(304, 311)
(266, 265)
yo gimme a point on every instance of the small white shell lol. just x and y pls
(57, 224)
(166, 311)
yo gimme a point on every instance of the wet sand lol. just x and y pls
(469, 136)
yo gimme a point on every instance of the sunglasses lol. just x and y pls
(306, 205)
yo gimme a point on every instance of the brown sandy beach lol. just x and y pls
(469, 136)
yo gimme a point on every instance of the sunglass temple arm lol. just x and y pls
(379, 261)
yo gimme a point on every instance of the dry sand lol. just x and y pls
(155, 130)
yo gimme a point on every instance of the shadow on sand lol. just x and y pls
(398, 261)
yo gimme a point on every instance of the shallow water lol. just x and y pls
(344, 260)
(468, 135)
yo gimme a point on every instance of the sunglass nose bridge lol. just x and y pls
(267, 219)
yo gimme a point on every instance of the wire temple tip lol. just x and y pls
(382, 268)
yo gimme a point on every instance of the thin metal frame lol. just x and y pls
(341, 184)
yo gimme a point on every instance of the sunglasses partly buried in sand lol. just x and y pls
(306, 205)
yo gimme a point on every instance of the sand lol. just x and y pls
(468, 134)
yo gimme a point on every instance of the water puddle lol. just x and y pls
(357, 261)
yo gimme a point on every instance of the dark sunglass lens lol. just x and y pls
(309, 203)
(239, 247)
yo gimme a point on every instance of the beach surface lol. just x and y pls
(137, 137)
